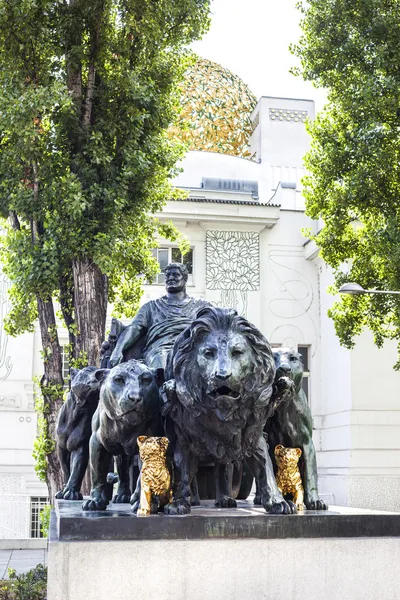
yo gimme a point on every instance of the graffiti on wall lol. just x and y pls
(233, 267)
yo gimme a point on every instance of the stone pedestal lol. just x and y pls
(223, 555)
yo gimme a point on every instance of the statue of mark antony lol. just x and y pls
(159, 322)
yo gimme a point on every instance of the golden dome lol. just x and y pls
(216, 109)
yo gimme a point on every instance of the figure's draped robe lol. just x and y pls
(163, 323)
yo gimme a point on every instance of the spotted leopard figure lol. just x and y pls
(288, 477)
(155, 479)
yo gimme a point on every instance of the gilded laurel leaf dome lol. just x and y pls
(216, 110)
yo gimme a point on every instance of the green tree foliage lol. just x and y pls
(352, 48)
(26, 586)
(88, 89)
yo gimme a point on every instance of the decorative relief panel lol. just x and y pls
(5, 360)
(283, 114)
(233, 266)
(12, 401)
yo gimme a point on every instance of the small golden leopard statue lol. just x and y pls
(288, 477)
(155, 480)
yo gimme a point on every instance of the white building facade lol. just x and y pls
(244, 220)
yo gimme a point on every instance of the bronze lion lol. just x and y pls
(74, 430)
(291, 425)
(221, 373)
(129, 406)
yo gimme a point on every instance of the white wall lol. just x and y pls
(279, 142)
(18, 427)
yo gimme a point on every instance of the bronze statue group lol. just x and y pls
(191, 384)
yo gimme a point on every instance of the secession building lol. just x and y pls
(244, 218)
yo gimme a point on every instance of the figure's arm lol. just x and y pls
(126, 340)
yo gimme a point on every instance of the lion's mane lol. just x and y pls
(210, 319)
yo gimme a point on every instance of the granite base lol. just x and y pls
(225, 554)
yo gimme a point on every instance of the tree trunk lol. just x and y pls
(91, 294)
(67, 305)
(52, 390)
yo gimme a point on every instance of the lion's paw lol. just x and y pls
(170, 385)
(292, 506)
(177, 508)
(94, 504)
(315, 504)
(257, 500)
(122, 497)
(72, 495)
(69, 494)
(225, 502)
(280, 508)
(168, 390)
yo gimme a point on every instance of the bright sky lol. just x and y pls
(251, 38)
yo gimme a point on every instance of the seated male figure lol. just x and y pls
(159, 322)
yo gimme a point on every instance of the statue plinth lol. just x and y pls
(223, 553)
(207, 522)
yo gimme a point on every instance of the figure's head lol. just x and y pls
(220, 361)
(289, 364)
(176, 276)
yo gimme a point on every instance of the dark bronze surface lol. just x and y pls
(74, 430)
(218, 395)
(222, 387)
(207, 522)
(291, 425)
(128, 407)
(158, 323)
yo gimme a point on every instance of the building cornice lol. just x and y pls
(206, 214)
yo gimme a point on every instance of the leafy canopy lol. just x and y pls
(88, 89)
(352, 48)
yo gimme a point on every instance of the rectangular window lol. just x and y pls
(165, 256)
(305, 357)
(38, 503)
(65, 365)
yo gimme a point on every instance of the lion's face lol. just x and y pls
(224, 360)
(152, 449)
(84, 385)
(129, 390)
(289, 364)
(287, 458)
(220, 362)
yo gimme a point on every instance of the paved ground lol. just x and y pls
(20, 560)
